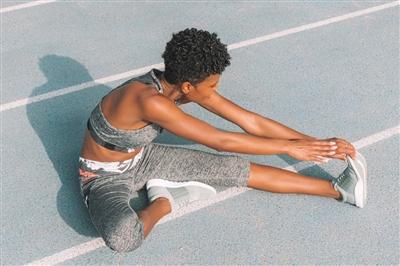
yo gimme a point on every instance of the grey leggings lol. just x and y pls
(107, 193)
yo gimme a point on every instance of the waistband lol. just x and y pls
(114, 167)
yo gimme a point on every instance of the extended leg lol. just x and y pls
(262, 177)
(278, 180)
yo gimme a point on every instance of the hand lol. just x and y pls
(344, 147)
(311, 150)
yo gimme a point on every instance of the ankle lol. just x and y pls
(339, 197)
(164, 203)
(336, 194)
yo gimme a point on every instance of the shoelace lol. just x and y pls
(339, 183)
(340, 179)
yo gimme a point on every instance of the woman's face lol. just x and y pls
(202, 90)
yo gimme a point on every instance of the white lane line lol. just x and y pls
(314, 25)
(56, 93)
(26, 5)
(89, 246)
(38, 98)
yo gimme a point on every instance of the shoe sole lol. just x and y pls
(172, 184)
(360, 168)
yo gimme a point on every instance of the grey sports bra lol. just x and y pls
(119, 139)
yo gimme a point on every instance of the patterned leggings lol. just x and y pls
(107, 187)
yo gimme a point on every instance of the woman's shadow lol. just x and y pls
(60, 124)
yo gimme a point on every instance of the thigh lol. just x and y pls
(183, 164)
(113, 217)
(95, 172)
(107, 191)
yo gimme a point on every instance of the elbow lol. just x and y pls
(216, 140)
(222, 144)
(219, 148)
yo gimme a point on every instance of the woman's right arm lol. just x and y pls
(163, 112)
(300, 149)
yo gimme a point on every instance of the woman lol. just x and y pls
(118, 157)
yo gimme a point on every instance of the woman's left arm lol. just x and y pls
(268, 128)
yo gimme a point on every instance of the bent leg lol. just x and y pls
(153, 213)
(113, 217)
(278, 180)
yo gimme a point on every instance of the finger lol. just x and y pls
(341, 149)
(325, 148)
(342, 143)
(339, 156)
(341, 140)
(316, 154)
(344, 147)
(342, 156)
(352, 154)
(320, 159)
(345, 143)
(326, 153)
(323, 158)
(352, 151)
(324, 143)
(349, 151)
(316, 160)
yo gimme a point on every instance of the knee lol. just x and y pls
(125, 235)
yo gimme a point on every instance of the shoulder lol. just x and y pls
(156, 104)
(136, 93)
(141, 89)
(157, 107)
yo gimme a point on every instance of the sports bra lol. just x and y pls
(119, 139)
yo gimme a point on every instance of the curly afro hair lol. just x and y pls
(192, 55)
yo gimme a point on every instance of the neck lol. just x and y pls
(171, 91)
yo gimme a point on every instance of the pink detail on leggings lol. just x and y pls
(86, 175)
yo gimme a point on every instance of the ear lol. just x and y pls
(186, 87)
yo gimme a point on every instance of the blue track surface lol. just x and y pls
(339, 80)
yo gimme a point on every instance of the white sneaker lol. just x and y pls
(352, 182)
(178, 193)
